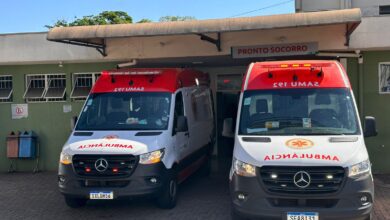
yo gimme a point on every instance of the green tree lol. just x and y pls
(106, 17)
(144, 20)
(176, 18)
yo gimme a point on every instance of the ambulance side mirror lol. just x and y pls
(228, 130)
(181, 124)
(73, 122)
(370, 127)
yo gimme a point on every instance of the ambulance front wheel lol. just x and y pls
(75, 202)
(168, 195)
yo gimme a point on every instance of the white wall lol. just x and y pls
(372, 34)
(368, 7)
(319, 5)
(34, 48)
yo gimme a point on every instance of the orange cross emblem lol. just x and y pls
(299, 143)
(110, 137)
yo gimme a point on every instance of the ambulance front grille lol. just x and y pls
(322, 180)
(116, 166)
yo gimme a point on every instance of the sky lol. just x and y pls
(32, 15)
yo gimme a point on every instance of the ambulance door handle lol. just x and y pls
(187, 134)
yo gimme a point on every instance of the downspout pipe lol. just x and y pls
(361, 86)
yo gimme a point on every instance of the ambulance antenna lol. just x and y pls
(151, 79)
(319, 74)
(270, 75)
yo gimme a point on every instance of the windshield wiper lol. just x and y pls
(319, 133)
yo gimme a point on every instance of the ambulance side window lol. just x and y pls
(179, 109)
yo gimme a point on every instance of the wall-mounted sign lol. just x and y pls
(67, 108)
(275, 50)
(19, 111)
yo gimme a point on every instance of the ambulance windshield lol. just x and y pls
(298, 112)
(126, 111)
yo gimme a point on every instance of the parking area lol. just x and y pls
(35, 196)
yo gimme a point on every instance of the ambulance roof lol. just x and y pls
(148, 80)
(295, 74)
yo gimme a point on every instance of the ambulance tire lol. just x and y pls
(167, 197)
(75, 202)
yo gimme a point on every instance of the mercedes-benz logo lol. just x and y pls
(302, 179)
(101, 164)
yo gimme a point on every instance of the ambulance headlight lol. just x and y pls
(152, 157)
(359, 168)
(65, 158)
(243, 169)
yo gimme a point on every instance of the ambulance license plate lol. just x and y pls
(101, 195)
(302, 216)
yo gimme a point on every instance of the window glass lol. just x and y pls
(229, 82)
(201, 106)
(179, 107)
(6, 89)
(384, 78)
(45, 88)
(82, 84)
(384, 9)
(126, 111)
(298, 111)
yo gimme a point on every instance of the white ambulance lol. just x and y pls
(140, 132)
(299, 150)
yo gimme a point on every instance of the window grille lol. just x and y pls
(45, 88)
(384, 9)
(56, 87)
(82, 84)
(384, 78)
(6, 89)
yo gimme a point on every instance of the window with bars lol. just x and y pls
(82, 84)
(384, 78)
(6, 89)
(45, 88)
(56, 87)
(384, 9)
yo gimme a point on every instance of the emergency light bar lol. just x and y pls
(296, 65)
(138, 72)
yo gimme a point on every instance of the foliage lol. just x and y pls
(106, 17)
(176, 18)
(112, 17)
(144, 20)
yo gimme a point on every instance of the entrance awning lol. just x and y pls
(95, 36)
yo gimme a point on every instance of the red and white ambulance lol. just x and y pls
(140, 132)
(299, 147)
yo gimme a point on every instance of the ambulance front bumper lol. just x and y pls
(250, 199)
(146, 180)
